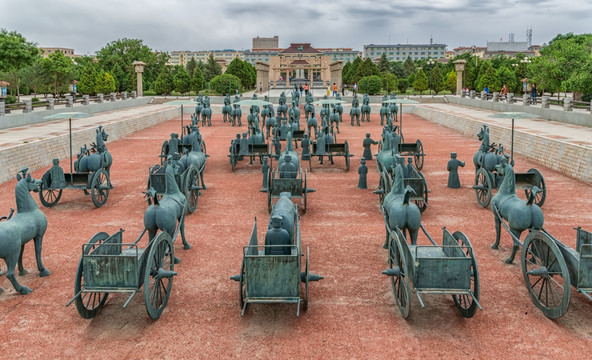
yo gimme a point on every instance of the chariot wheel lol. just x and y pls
(305, 194)
(49, 197)
(242, 286)
(399, 282)
(305, 300)
(539, 199)
(546, 275)
(346, 156)
(100, 188)
(423, 204)
(483, 187)
(164, 150)
(89, 304)
(419, 155)
(158, 278)
(465, 303)
(191, 187)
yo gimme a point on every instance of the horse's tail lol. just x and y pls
(535, 190)
(408, 190)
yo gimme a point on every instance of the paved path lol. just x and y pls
(574, 134)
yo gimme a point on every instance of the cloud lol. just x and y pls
(191, 25)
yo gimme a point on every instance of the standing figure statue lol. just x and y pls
(366, 108)
(453, 164)
(362, 171)
(366, 144)
(355, 111)
(265, 172)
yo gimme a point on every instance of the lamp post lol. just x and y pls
(525, 61)
(474, 53)
(431, 62)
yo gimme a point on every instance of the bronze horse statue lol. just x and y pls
(164, 214)
(520, 214)
(28, 223)
(401, 213)
(98, 158)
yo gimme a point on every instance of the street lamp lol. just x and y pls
(431, 62)
(525, 61)
(474, 53)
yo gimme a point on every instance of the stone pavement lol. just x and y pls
(36, 145)
(566, 148)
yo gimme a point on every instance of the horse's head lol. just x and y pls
(32, 184)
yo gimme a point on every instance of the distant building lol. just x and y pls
(341, 54)
(227, 55)
(400, 52)
(449, 55)
(46, 51)
(477, 51)
(263, 55)
(266, 43)
(510, 49)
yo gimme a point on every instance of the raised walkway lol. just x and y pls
(566, 148)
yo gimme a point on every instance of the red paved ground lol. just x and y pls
(352, 312)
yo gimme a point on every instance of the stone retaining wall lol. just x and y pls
(38, 154)
(569, 159)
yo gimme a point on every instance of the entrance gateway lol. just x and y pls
(303, 63)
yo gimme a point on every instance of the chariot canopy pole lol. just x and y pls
(71, 171)
(181, 122)
(512, 149)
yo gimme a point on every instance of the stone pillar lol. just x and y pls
(568, 104)
(526, 99)
(124, 95)
(510, 98)
(139, 66)
(545, 102)
(28, 106)
(2, 108)
(460, 69)
(69, 101)
(472, 94)
(49, 104)
(85, 99)
(113, 97)
(336, 69)
(134, 94)
(100, 98)
(483, 95)
(496, 96)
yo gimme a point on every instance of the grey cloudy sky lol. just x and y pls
(169, 25)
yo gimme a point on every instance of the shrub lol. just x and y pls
(149, 93)
(221, 84)
(10, 99)
(370, 84)
(35, 99)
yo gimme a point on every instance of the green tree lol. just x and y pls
(409, 66)
(489, 79)
(403, 85)
(118, 56)
(366, 68)
(197, 81)
(450, 82)
(345, 70)
(164, 82)
(436, 81)
(87, 78)
(181, 80)
(60, 69)
(398, 69)
(383, 64)
(508, 77)
(421, 82)
(240, 69)
(389, 82)
(411, 79)
(34, 78)
(191, 65)
(211, 68)
(16, 53)
(221, 84)
(349, 77)
(105, 83)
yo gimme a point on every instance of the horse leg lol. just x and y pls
(515, 247)
(386, 239)
(358, 119)
(381, 119)
(186, 245)
(11, 264)
(210, 120)
(21, 268)
(352, 120)
(38, 245)
(413, 236)
(498, 225)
